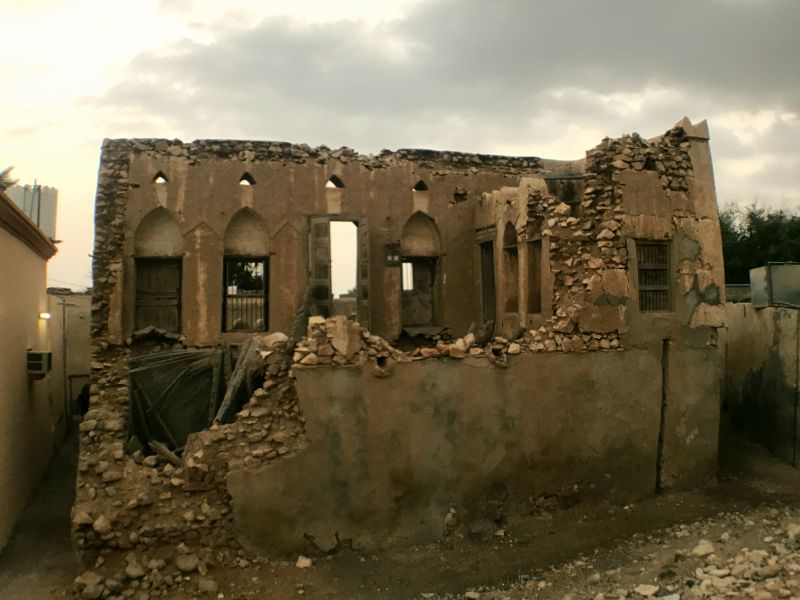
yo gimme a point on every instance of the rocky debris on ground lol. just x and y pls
(156, 572)
(752, 556)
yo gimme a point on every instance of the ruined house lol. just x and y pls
(571, 311)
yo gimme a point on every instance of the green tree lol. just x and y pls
(5, 179)
(754, 235)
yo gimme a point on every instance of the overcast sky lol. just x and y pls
(530, 77)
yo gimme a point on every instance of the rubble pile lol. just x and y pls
(498, 348)
(339, 341)
(170, 516)
(753, 555)
(269, 426)
(588, 256)
(144, 574)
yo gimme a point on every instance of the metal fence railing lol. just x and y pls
(245, 312)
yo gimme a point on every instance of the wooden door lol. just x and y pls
(158, 293)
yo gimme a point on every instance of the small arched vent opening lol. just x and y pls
(247, 179)
(160, 178)
(421, 186)
(334, 182)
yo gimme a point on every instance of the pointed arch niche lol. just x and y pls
(420, 197)
(334, 193)
(245, 273)
(158, 235)
(420, 249)
(158, 258)
(160, 182)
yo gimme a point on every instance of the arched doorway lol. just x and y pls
(420, 249)
(511, 269)
(246, 273)
(158, 258)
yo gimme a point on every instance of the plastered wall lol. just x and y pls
(761, 375)
(29, 413)
(387, 458)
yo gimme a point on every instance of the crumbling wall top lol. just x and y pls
(282, 151)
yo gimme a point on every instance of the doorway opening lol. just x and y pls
(419, 276)
(487, 281)
(344, 267)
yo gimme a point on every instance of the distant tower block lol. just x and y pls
(39, 203)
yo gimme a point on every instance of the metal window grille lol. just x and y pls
(653, 267)
(246, 306)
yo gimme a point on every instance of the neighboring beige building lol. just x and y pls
(29, 412)
(70, 318)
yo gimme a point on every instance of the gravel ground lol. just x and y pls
(737, 539)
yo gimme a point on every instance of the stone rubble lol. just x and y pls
(756, 556)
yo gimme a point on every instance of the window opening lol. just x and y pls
(420, 245)
(511, 268)
(653, 268)
(344, 267)
(408, 276)
(246, 293)
(334, 182)
(247, 179)
(459, 196)
(160, 178)
(417, 296)
(420, 186)
(487, 281)
(158, 293)
(535, 277)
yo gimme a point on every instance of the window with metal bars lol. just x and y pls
(246, 298)
(653, 268)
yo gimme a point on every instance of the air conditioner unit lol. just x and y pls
(39, 364)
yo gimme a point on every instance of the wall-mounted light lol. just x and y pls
(44, 315)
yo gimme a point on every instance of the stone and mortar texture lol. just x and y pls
(351, 439)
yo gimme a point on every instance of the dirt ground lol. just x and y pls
(587, 551)
(38, 561)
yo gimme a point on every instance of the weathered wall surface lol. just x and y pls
(28, 410)
(388, 457)
(67, 380)
(203, 195)
(761, 375)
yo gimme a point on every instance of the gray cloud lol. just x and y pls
(476, 75)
